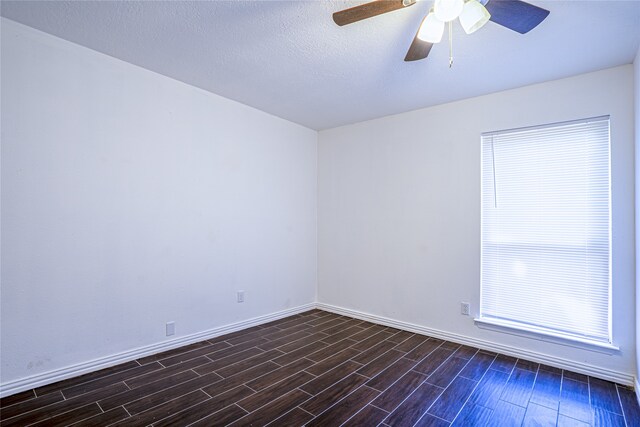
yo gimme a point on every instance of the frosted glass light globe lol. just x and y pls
(431, 29)
(473, 16)
(448, 10)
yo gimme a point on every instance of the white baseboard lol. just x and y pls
(558, 362)
(56, 375)
(49, 377)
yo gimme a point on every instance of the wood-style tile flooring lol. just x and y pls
(322, 369)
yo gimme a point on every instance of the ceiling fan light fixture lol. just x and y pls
(473, 17)
(448, 10)
(431, 29)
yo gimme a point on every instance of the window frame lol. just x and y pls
(539, 332)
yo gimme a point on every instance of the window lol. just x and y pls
(546, 230)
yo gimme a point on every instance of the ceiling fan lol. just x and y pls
(515, 15)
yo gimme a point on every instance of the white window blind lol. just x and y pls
(546, 229)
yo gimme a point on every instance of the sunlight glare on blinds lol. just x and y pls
(546, 228)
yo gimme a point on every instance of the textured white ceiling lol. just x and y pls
(288, 58)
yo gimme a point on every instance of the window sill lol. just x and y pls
(542, 335)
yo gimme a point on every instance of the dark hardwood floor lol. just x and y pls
(322, 369)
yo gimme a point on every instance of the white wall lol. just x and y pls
(130, 199)
(399, 208)
(636, 68)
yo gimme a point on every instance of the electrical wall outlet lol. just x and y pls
(240, 296)
(171, 328)
(464, 308)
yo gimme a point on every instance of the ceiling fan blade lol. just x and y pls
(368, 10)
(516, 15)
(419, 49)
